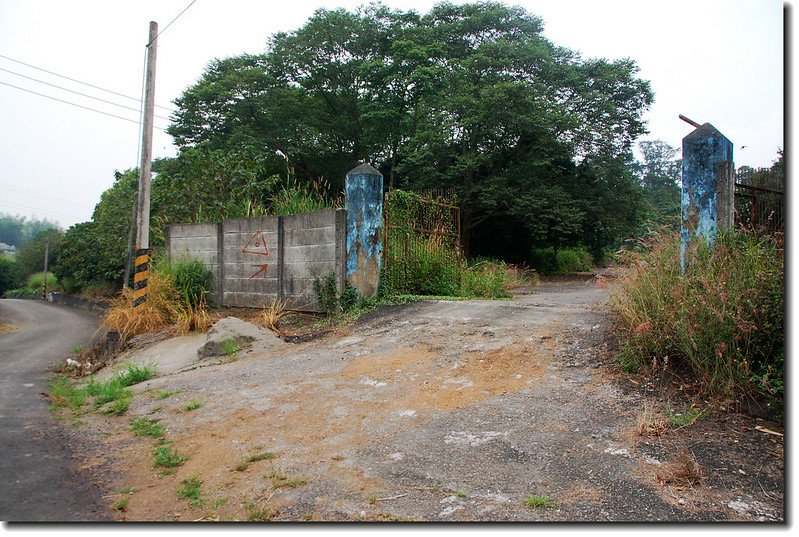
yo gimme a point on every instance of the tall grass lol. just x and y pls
(175, 296)
(295, 198)
(722, 320)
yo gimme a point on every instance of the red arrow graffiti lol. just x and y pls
(262, 269)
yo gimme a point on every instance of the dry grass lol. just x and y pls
(651, 422)
(162, 308)
(683, 472)
(271, 315)
(188, 318)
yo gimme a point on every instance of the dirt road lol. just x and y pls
(441, 411)
(39, 479)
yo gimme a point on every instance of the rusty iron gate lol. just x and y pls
(422, 243)
(759, 201)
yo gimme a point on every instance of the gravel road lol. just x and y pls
(436, 411)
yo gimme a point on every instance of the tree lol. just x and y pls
(18, 230)
(470, 97)
(10, 278)
(30, 258)
(660, 176)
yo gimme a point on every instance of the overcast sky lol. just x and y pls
(717, 61)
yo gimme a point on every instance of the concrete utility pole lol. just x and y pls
(142, 269)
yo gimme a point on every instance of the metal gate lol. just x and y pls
(759, 201)
(422, 242)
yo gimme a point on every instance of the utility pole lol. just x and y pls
(142, 269)
(46, 255)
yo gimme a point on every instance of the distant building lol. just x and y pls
(7, 249)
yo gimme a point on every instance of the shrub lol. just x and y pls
(562, 261)
(485, 279)
(10, 276)
(36, 281)
(722, 320)
(190, 279)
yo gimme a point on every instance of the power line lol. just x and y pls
(45, 196)
(170, 22)
(79, 81)
(74, 104)
(78, 93)
(36, 210)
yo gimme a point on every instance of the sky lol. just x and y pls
(717, 61)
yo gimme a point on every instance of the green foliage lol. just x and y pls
(167, 457)
(485, 279)
(36, 282)
(330, 300)
(471, 97)
(19, 230)
(191, 491)
(538, 500)
(23, 292)
(190, 278)
(562, 261)
(10, 277)
(30, 258)
(722, 320)
(136, 373)
(193, 405)
(147, 427)
(64, 394)
(230, 348)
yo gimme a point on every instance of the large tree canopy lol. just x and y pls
(470, 97)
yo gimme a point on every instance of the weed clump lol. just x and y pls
(721, 321)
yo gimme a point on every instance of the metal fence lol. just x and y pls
(422, 242)
(759, 200)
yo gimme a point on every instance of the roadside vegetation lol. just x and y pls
(176, 297)
(720, 323)
(109, 397)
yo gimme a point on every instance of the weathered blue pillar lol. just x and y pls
(707, 187)
(364, 204)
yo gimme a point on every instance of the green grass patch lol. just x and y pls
(538, 500)
(65, 394)
(116, 407)
(134, 374)
(120, 505)
(147, 427)
(165, 456)
(127, 490)
(686, 417)
(230, 348)
(191, 491)
(193, 405)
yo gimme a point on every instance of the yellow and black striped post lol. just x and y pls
(140, 276)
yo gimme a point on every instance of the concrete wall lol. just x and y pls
(257, 260)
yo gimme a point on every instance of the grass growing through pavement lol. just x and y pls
(109, 397)
(194, 405)
(147, 427)
(538, 500)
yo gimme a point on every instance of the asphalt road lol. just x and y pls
(38, 480)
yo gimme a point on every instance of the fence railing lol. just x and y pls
(759, 201)
(422, 242)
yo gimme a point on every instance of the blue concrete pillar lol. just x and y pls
(707, 187)
(364, 204)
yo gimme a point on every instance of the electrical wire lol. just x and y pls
(36, 209)
(74, 104)
(80, 81)
(172, 21)
(46, 197)
(78, 93)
